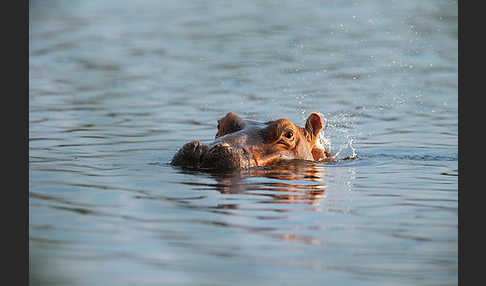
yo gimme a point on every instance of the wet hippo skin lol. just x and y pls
(245, 144)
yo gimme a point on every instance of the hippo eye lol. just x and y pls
(289, 134)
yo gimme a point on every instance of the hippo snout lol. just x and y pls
(190, 154)
(221, 156)
(224, 156)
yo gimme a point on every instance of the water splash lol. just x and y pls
(323, 142)
(339, 130)
(354, 154)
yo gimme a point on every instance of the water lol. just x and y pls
(116, 87)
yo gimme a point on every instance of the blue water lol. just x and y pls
(116, 87)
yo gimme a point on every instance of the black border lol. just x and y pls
(15, 80)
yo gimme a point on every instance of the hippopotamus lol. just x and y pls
(243, 144)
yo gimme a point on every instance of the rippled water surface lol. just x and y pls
(116, 87)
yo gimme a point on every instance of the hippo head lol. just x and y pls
(245, 144)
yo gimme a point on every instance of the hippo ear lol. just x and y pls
(229, 123)
(314, 125)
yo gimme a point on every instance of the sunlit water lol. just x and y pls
(116, 87)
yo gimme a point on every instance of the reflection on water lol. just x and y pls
(295, 182)
(285, 192)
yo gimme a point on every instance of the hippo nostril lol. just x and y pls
(219, 146)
